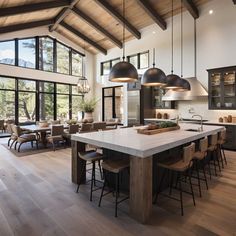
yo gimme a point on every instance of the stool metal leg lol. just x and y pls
(117, 193)
(92, 180)
(181, 197)
(191, 186)
(223, 151)
(103, 187)
(204, 173)
(198, 178)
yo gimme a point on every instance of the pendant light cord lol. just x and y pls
(195, 48)
(172, 37)
(83, 67)
(123, 30)
(153, 58)
(181, 38)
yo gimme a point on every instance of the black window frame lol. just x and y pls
(138, 59)
(110, 66)
(55, 41)
(37, 92)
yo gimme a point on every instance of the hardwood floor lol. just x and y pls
(38, 198)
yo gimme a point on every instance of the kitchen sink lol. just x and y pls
(192, 130)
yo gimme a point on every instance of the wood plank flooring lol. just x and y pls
(38, 198)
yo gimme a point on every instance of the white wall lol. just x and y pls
(216, 47)
(41, 75)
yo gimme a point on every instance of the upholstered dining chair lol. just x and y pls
(56, 135)
(72, 130)
(2, 127)
(23, 137)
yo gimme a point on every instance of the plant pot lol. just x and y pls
(88, 116)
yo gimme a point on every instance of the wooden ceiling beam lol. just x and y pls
(97, 27)
(191, 7)
(63, 14)
(152, 13)
(234, 1)
(84, 37)
(10, 11)
(108, 8)
(12, 28)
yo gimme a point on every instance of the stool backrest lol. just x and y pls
(57, 130)
(223, 134)
(204, 145)
(214, 138)
(73, 129)
(188, 153)
(1, 124)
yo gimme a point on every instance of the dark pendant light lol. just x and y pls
(123, 71)
(82, 84)
(185, 85)
(173, 81)
(154, 76)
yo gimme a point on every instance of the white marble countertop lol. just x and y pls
(216, 122)
(128, 141)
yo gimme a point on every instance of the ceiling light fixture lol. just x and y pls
(154, 76)
(211, 12)
(82, 84)
(185, 85)
(173, 81)
(123, 71)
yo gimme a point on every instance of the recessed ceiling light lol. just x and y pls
(211, 12)
(153, 32)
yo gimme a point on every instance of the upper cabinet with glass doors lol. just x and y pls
(222, 88)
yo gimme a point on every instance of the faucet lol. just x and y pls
(201, 128)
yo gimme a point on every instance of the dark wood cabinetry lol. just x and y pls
(222, 88)
(157, 102)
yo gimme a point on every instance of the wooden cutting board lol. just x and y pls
(156, 131)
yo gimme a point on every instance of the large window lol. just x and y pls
(26, 101)
(43, 53)
(62, 102)
(139, 60)
(46, 101)
(107, 65)
(62, 59)
(77, 64)
(7, 98)
(7, 52)
(46, 54)
(27, 53)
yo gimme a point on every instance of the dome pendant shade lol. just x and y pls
(173, 82)
(185, 86)
(154, 77)
(123, 72)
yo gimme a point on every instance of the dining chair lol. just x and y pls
(2, 127)
(99, 126)
(71, 130)
(56, 135)
(23, 137)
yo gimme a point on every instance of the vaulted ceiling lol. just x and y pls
(95, 24)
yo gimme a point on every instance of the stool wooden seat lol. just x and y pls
(115, 167)
(92, 157)
(181, 167)
(212, 149)
(198, 158)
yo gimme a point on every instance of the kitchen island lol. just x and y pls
(140, 149)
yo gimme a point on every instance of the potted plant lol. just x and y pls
(88, 106)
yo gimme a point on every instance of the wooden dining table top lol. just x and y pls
(37, 128)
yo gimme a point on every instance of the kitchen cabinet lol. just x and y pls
(222, 88)
(157, 102)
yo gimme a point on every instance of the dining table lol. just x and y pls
(40, 130)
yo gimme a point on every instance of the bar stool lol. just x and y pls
(115, 167)
(183, 168)
(92, 157)
(198, 158)
(212, 149)
(220, 142)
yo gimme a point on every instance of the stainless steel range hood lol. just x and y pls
(197, 91)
